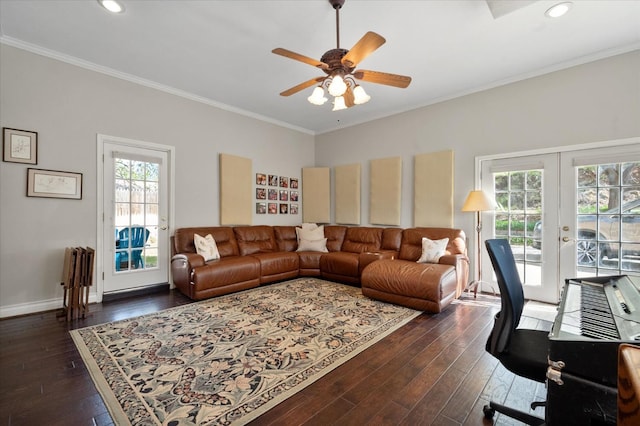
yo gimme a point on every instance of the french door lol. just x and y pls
(525, 190)
(600, 212)
(566, 214)
(135, 205)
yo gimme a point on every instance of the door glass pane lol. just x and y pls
(136, 215)
(518, 197)
(608, 223)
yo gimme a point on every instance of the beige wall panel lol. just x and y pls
(316, 195)
(433, 189)
(386, 189)
(236, 200)
(347, 190)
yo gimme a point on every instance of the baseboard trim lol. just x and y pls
(35, 307)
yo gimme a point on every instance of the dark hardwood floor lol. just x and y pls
(434, 370)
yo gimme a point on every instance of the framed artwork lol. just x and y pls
(272, 208)
(284, 182)
(261, 193)
(261, 179)
(19, 146)
(54, 184)
(284, 208)
(284, 195)
(294, 196)
(273, 194)
(261, 208)
(273, 180)
(293, 183)
(293, 209)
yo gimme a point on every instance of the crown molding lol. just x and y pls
(52, 54)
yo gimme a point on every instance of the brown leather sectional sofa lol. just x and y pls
(381, 260)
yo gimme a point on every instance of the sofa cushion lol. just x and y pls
(432, 250)
(391, 239)
(340, 263)
(286, 238)
(361, 239)
(411, 246)
(312, 245)
(277, 263)
(223, 235)
(255, 239)
(310, 234)
(206, 247)
(335, 236)
(226, 271)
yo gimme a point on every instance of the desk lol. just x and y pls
(628, 385)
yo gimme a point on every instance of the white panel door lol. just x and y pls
(525, 190)
(135, 226)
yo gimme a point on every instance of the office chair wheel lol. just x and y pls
(488, 412)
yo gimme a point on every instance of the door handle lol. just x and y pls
(566, 239)
(164, 228)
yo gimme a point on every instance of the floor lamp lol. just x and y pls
(477, 201)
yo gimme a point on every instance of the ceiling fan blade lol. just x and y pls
(349, 99)
(302, 86)
(363, 48)
(298, 57)
(378, 77)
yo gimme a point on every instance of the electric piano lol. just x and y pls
(595, 316)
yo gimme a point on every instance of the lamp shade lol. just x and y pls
(477, 201)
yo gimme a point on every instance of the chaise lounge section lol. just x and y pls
(422, 286)
(378, 258)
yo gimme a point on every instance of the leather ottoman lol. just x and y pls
(423, 286)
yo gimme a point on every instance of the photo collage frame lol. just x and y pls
(277, 194)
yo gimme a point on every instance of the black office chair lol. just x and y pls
(524, 352)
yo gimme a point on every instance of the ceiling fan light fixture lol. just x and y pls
(360, 96)
(339, 104)
(558, 10)
(112, 6)
(337, 86)
(317, 97)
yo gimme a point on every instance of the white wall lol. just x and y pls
(68, 106)
(598, 101)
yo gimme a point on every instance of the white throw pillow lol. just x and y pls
(313, 245)
(314, 234)
(310, 226)
(432, 250)
(206, 247)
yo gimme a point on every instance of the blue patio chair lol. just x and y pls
(133, 238)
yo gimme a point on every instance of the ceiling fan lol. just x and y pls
(339, 65)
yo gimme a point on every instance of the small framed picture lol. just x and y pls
(284, 182)
(273, 194)
(19, 146)
(293, 209)
(294, 196)
(273, 180)
(272, 208)
(293, 183)
(261, 193)
(261, 208)
(284, 195)
(261, 179)
(54, 184)
(284, 208)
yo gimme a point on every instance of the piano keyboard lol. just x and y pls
(587, 313)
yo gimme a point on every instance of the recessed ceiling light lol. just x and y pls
(558, 10)
(112, 6)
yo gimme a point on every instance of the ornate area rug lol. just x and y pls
(229, 359)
